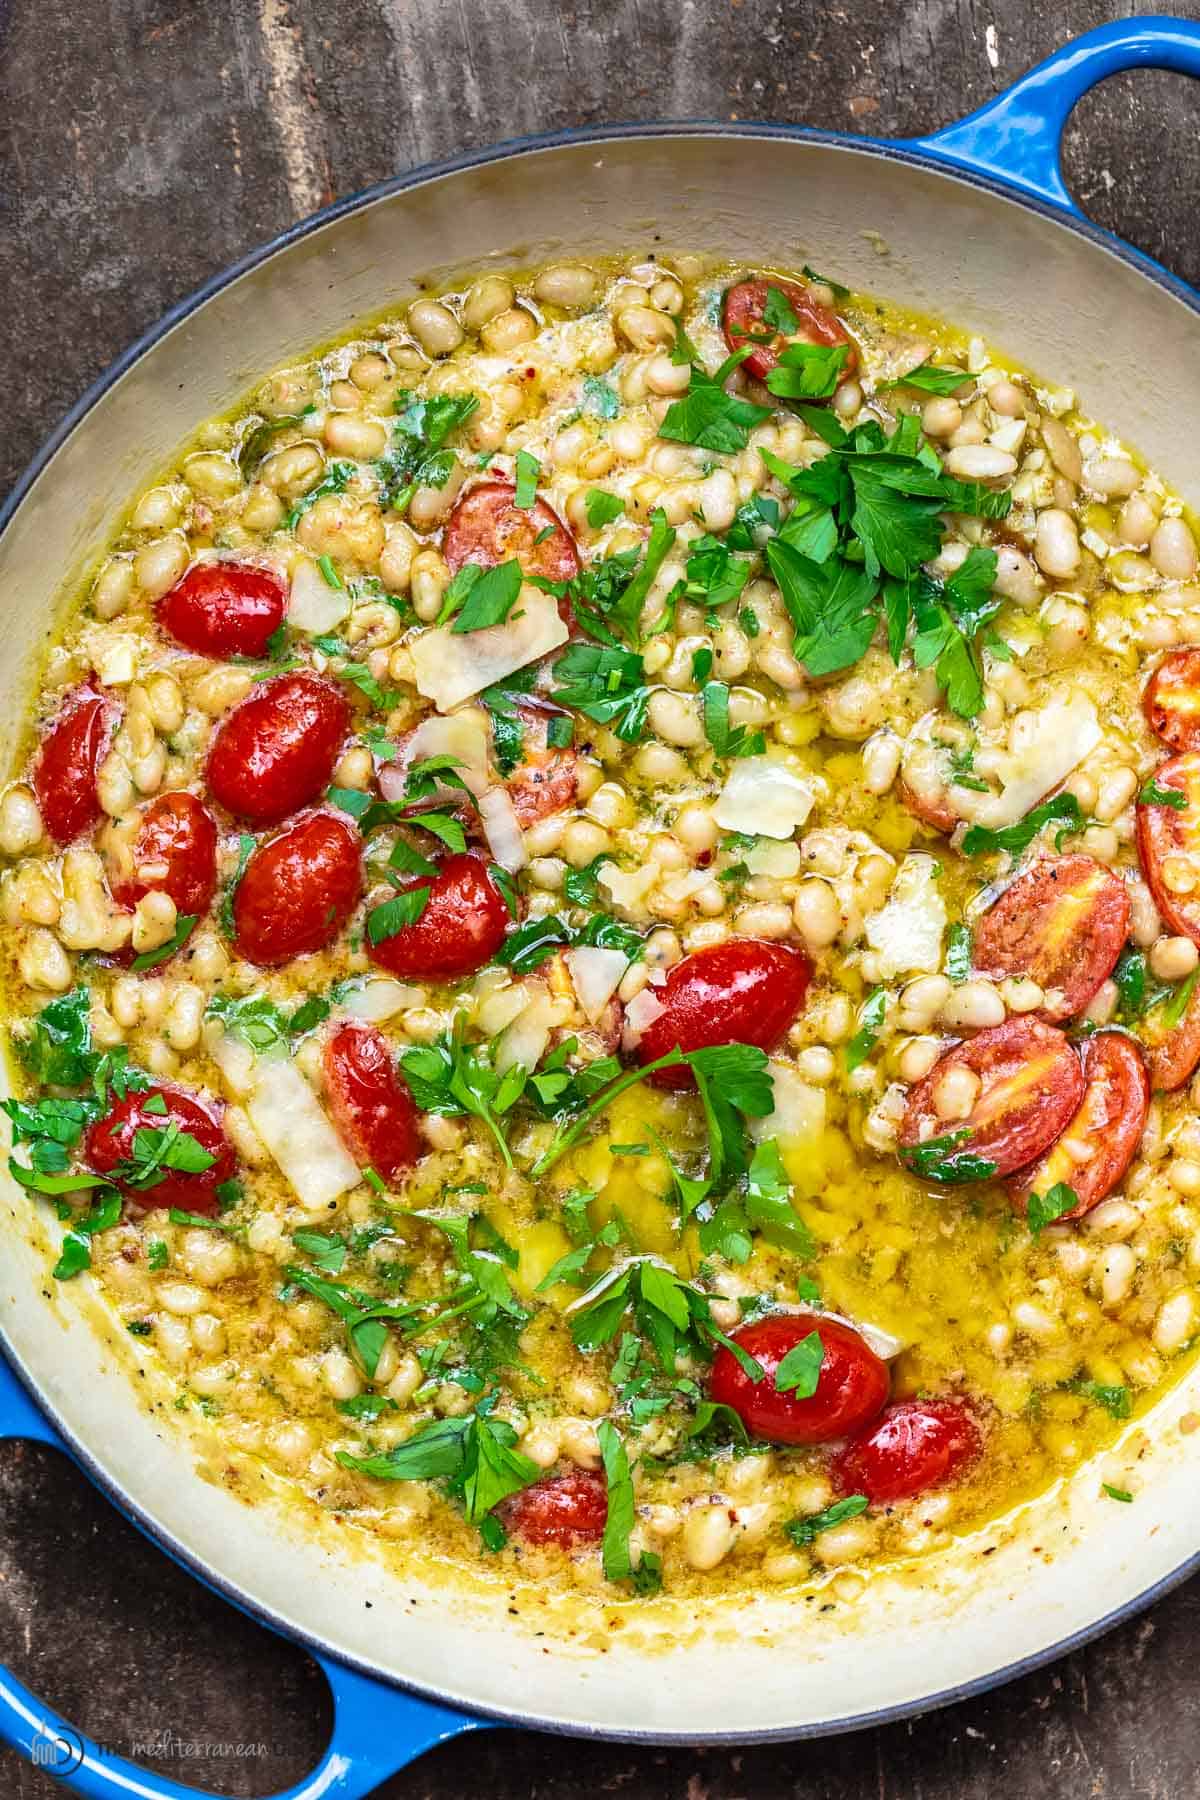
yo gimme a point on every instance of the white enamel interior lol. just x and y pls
(1073, 311)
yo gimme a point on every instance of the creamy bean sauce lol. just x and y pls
(602, 907)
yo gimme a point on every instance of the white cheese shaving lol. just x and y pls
(627, 888)
(640, 1015)
(596, 974)
(1063, 733)
(798, 1116)
(284, 1111)
(463, 735)
(763, 797)
(502, 830)
(906, 933)
(450, 666)
(771, 857)
(524, 1041)
(313, 605)
(381, 998)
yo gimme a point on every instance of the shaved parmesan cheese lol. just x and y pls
(233, 1056)
(678, 888)
(502, 830)
(463, 735)
(640, 1015)
(882, 1342)
(779, 860)
(501, 1007)
(452, 666)
(763, 797)
(596, 974)
(906, 933)
(524, 1041)
(627, 888)
(283, 1110)
(381, 998)
(797, 1119)
(313, 605)
(1062, 734)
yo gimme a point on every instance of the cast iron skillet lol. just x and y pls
(1008, 148)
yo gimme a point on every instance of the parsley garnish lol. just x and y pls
(599, 398)
(528, 470)
(709, 417)
(1043, 1209)
(150, 959)
(485, 596)
(1116, 1493)
(1061, 808)
(416, 458)
(452, 1077)
(602, 508)
(802, 1531)
(605, 684)
(870, 1021)
(958, 953)
(942, 1159)
(335, 481)
(808, 371)
(931, 378)
(1153, 795)
(800, 1370)
(1116, 1401)
(727, 740)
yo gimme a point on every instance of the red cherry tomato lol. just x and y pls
(742, 992)
(1171, 701)
(1108, 1125)
(461, 928)
(224, 609)
(1063, 923)
(563, 1509)
(298, 890)
(1173, 1051)
(546, 779)
(1031, 1084)
(370, 1100)
(174, 852)
(1169, 844)
(852, 1385)
(275, 752)
(916, 1445)
(742, 321)
(68, 761)
(488, 527)
(109, 1145)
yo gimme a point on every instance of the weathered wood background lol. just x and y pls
(149, 142)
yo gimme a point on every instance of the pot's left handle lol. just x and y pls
(377, 1728)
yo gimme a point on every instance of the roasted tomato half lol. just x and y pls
(298, 890)
(68, 762)
(1100, 1141)
(1172, 699)
(488, 527)
(1172, 1045)
(275, 752)
(1029, 1086)
(852, 1383)
(565, 1509)
(370, 1100)
(915, 1446)
(743, 320)
(173, 850)
(461, 927)
(224, 609)
(742, 992)
(128, 1147)
(1168, 834)
(1063, 923)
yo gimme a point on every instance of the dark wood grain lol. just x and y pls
(146, 144)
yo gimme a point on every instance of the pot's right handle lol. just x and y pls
(1016, 137)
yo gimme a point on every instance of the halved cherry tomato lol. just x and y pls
(742, 992)
(174, 852)
(370, 1100)
(1173, 1051)
(852, 1384)
(68, 761)
(461, 928)
(916, 1445)
(1108, 1125)
(1031, 1084)
(742, 321)
(563, 1509)
(275, 752)
(224, 609)
(109, 1149)
(1063, 923)
(1171, 701)
(1169, 844)
(488, 527)
(298, 890)
(546, 778)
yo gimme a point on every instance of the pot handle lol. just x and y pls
(377, 1728)
(1016, 137)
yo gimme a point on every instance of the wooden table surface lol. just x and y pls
(150, 142)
